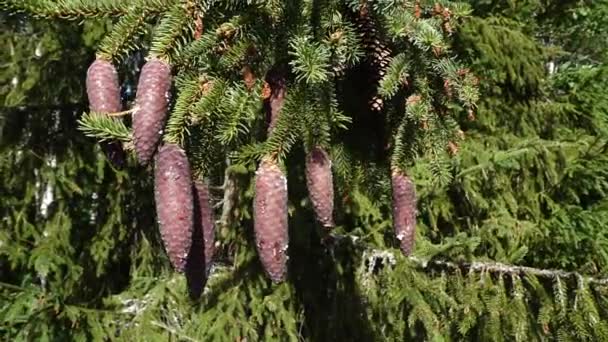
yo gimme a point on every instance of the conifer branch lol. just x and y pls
(125, 35)
(174, 30)
(311, 60)
(75, 9)
(396, 76)
(176, 126)
(174, 332)
(500, 268)
(475, 266)
(103, 127)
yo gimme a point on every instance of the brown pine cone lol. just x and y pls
(151, 104)
(270, 219)
(103, 92)
(174, 202)
(378, 54)
(205, 220)
(319, 181)
(276, 82)
(404, 210)
(102, 87)
(203, 240)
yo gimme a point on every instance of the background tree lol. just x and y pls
(522, 194)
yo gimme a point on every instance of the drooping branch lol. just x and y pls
(497, 267)
(381, 255)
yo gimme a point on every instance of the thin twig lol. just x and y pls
(174, 332)
(124, 112)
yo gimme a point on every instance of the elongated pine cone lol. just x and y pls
(319, 181)
(103, 92)
(102, 87)
(378, 54)
(151, 103)
(174, 202)
(276, 84)
(404, 210)
(203, 241)
(270, 219)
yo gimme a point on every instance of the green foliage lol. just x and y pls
(509, 154)
(104, 128)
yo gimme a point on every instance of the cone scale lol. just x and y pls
(151, 102)
(270, 219)
(174, 203)
(404, 210)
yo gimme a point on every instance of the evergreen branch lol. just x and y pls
(500, 268)
(311, 60)
(396, 75)
(537, 145)
(12, 287)
(427, 36)
(398, 155)
(172, 331)
(475, 266)
(174, 30)
(103, 127)
(210, 102)
(124, 36)
(198, 49)
(401, 23)
(286, 130)
(236, 113)
(176, 127)
(76, 9)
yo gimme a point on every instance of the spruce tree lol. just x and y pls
(478, 127)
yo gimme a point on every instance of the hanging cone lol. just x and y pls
(103, 93)
(404, 210)
(270, 219)
(102, 87)
(203, 241)
(319, 181)
(206, 221)
(151, 103)
(378, 54)
(174, 202)
(276, 90)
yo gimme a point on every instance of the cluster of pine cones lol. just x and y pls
(183, 207)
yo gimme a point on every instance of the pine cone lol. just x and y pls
(203, 241)
(102, 87)
(275, 80)
(151, 104)
(270, 219)
(378, 54)
(103, 92)
(404, 210)
(319, 181)
(174, 202)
